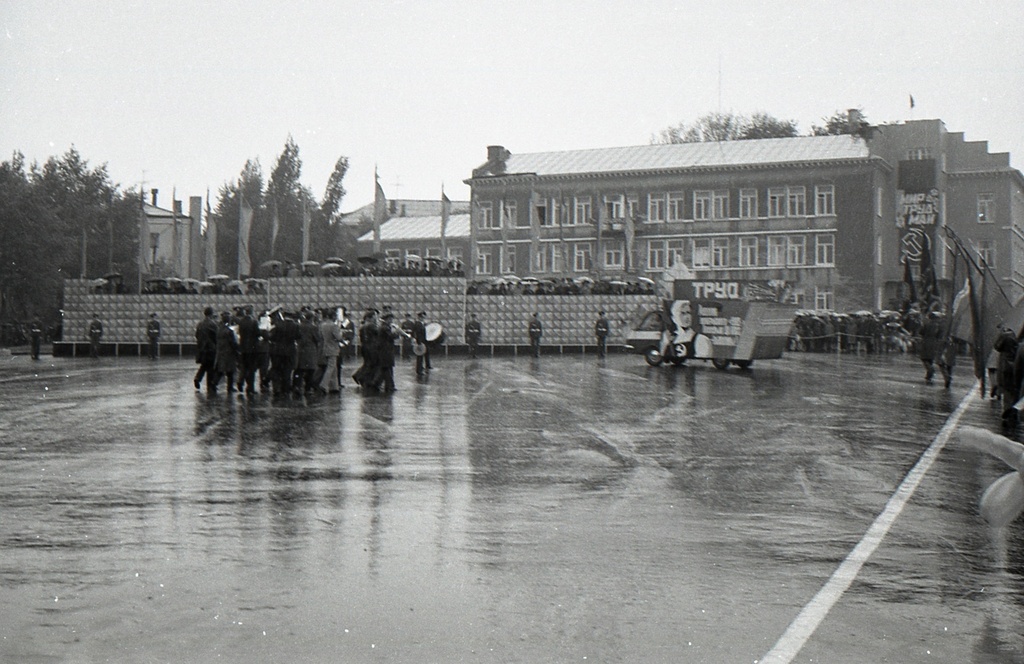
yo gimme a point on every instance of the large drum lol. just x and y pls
(434, 334)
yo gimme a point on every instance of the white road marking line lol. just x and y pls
(814, 612)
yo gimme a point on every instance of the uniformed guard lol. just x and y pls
(153, 336)
(473, 334)
(536, 331)
(601, 329)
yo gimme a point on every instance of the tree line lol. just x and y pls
(66, 219)
(729, 126)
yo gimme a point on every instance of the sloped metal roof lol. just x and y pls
(689, 155)
(420, 228)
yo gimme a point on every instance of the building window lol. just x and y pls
(676, 252)
(776, 252)
(797, 197)
(823, 299)
(540, 262)
(702, 204)
(511, 211)
(676, 206)
(540, 211)
(878, 201)
(702, 253)
(455, 253)
(987, 252)
(486, 216)
(613, 255)
(656, 255)
(721, 205)
(557, 263)
(777, 202)
(581, 257)
(656, 207)
(825, 250)
(748, 252)
(393, 255)
(720, 252)
(584, 211)
(919, 154)
(483, 262)
(632, 207)
(825, 200)
(433, 252)
(748, 203)
(986, 208)
(613, 206)
(796, 250)
(510, 261)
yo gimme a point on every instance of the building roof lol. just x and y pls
(154, 212)
(405, 207)
(420, 228)
(689, 155)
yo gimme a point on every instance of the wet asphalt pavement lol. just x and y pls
(566, 509)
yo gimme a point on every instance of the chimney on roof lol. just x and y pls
(497, 155)
(153, 193)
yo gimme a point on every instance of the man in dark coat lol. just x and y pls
(387, 334)
(36, 331)
(227, 353)
(206, 351)
(601, 329)
(153, 336)
(367, 375)
(419, 335)
(473, 333)
(95, 334)
(248, 350)
(931, 344)
(308, 348)
(283, 352)
(536, 331)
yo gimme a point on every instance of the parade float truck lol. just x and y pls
(726, 322)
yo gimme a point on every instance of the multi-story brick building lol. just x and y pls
(824, 217)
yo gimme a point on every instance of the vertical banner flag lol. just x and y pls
(929, 284)
(446, 212)
(534, 232)
(275, 225)
(630, 233)
(474, 219)
(143, 236)
(244, 226)
(909, 292)
(305, 232)
(210, 254)
(380, 209)
(175, 249)
(602, 218)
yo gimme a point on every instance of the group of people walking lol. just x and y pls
(378, 334)
(279, 351)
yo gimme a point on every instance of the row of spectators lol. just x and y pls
(512, 285)
(861, 331)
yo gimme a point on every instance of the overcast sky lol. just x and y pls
(180, 94)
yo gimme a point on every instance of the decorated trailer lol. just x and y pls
(726, 322)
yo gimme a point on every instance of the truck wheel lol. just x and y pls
(743, 364)
(653, 356)
(719, 363)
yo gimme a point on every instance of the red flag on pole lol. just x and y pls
(244, 226)
(380, 210)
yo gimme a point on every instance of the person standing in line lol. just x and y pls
(931, 344)
(227, 354)
(348, 334)
(473, 333)
(601, 329)
(36, 332)
(95, 334)
(419, 335)
(330, 331)
(536, 331)
(153, 335)
(407, 326)
(263, 352)
(387, 336)
(248, 350)
(206, 351)
(308, 353)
